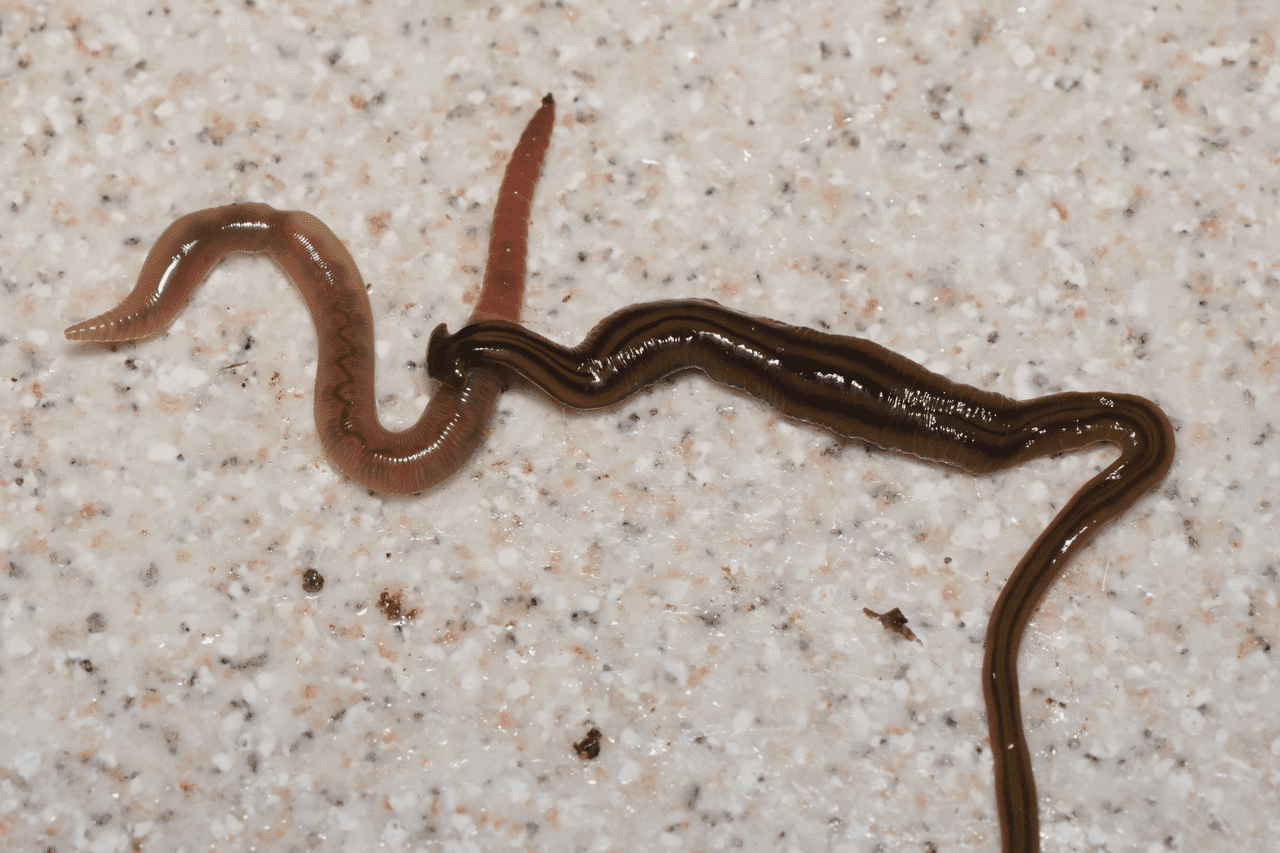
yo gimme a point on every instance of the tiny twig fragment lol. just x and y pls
(895, 622)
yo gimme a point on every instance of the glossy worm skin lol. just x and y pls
(861, 390)
(456, 419)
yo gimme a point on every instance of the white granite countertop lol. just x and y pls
(1055, 196)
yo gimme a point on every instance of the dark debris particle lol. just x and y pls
(589, 748)
(894, 621)
(312, 581)
(392, 606)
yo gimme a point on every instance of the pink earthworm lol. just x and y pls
(455, 420)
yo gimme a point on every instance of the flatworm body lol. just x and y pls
(455, 421)
(861, 390)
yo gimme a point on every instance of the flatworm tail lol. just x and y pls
(1146, 443)
(861, 390)
(315, 260)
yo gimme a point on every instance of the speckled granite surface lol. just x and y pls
(1077, 196)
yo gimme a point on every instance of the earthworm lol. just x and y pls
(861, 390)
(455, 420)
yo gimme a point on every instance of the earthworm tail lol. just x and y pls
(502, 292)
